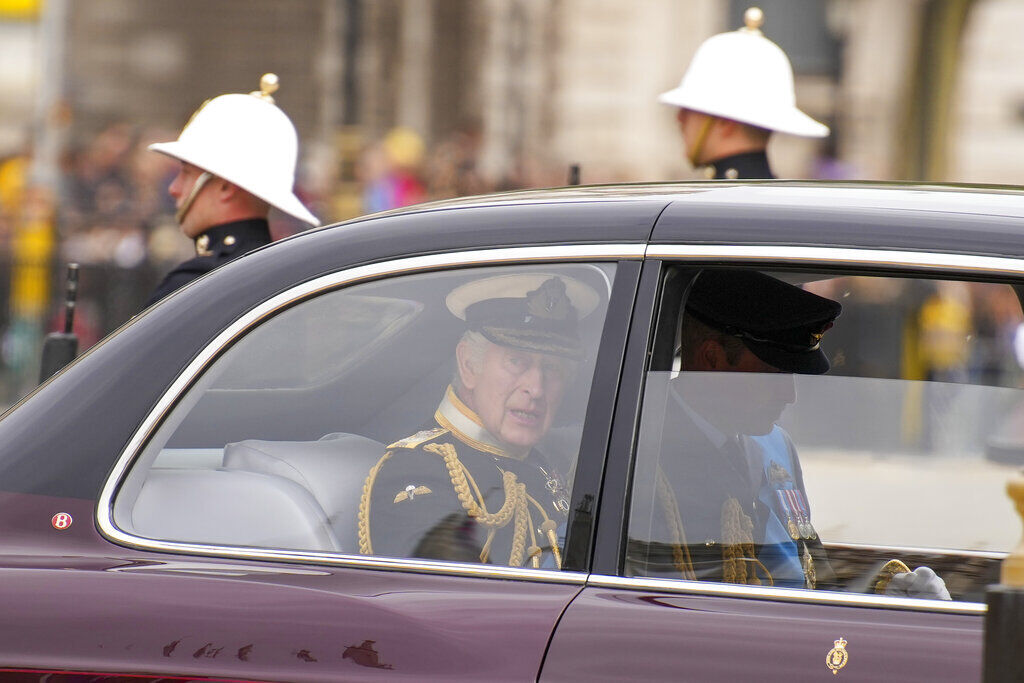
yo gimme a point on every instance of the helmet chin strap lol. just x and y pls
(203, 178)
(702, 137)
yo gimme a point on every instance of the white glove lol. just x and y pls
(921, 583)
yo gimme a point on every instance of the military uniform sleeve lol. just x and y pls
(183, 274)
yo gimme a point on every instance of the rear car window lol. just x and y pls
(432, 415)
(808, 479)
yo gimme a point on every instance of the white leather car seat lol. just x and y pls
(333, 469)
(220, 507)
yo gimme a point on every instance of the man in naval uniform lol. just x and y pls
(238, 156)
(471, 486)
(738, 90)
(729, 487)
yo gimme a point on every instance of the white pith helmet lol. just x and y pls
(248, 141)
(743, 76)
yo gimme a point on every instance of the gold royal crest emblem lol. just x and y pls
(837, 657)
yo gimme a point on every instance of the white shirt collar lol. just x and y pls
(467, 427)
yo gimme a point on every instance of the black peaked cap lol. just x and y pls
(780, 323)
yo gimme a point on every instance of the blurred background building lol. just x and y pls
(401, 101)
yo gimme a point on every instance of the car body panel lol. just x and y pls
(608, 631)
(76, 601)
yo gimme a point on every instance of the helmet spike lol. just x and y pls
(268, 86)
(753, 20)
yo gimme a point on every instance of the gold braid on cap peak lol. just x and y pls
(269, 83)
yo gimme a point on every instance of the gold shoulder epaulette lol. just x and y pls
(419, 438)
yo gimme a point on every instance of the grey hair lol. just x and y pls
(477, 344)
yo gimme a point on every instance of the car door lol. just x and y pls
(233, 508)
(901, 450)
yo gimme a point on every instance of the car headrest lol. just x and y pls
(332, 468)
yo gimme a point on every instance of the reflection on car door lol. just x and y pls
(629, 632)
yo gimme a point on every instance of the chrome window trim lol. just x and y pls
(336, 280)
(823, 597)
(920, 260)
(922, 550)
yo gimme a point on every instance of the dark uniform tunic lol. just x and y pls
(746, 166)
(215, 247)
(451, 492)
(729, 509)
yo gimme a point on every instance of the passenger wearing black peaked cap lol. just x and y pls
(734, 507)
(471, 485)
(780, 324)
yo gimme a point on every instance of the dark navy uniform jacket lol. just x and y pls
(702, 476)
(215, 247)
(416, 502)
(747, 166)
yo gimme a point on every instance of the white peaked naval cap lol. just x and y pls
(248, 141)
(743, 76)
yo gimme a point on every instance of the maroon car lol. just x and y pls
(190, 500)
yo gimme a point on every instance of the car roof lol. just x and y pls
(951, 218)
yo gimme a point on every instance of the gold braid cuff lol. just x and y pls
(738, 547)
(885, 574)
(365, 544)
(670, 509)
(515, 558)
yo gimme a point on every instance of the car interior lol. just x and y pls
(298, 411)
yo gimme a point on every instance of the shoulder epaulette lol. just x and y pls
(418, 438)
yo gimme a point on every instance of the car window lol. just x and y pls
(433, 415)
(826, 426)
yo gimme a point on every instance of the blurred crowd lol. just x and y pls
(932, 330)
(110, 213)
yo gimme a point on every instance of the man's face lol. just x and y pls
(515, 393)
(691, 124)
(200, 215)
(769, 394)
(739, 402)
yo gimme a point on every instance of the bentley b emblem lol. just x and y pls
(837, 657)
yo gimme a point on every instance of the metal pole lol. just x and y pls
(49, 94)
(1004, 621)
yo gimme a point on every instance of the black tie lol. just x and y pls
(734, 454)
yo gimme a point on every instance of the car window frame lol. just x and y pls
(609, 554)
(627, 257)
